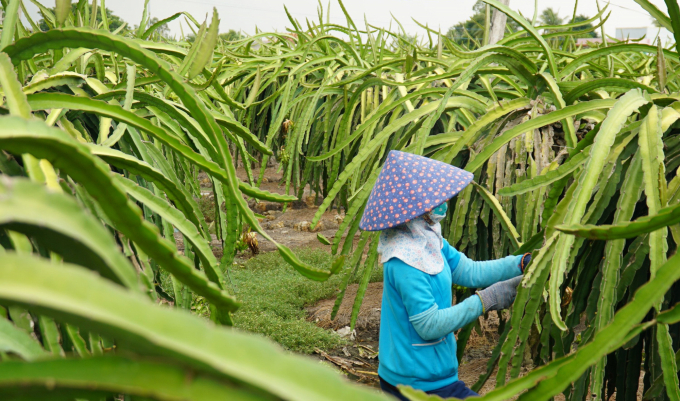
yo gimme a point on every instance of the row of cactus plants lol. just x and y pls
(574, 152)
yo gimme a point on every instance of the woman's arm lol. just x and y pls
(429, 321)
(469, 273)
(435, 323)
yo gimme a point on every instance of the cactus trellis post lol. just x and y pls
(498, 21)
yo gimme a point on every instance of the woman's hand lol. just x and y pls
(500, 295)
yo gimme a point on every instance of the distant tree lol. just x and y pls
(581, 18)
(232, 36)
(470, 32)
(114, 21)
(550, 17)
(163, 30)
(405, 42)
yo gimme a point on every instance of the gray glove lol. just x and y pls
(500, 295)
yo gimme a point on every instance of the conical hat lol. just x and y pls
(409, 186)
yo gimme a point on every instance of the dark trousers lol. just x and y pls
(457, 389)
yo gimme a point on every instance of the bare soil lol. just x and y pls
(288, 224)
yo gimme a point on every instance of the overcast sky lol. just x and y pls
(269, 15)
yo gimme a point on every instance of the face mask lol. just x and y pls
(441, 209)
(437, 214)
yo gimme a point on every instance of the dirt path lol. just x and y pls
(290, 228)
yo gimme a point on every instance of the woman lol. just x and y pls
(417, 345)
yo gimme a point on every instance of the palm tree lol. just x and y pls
(550, 17)
(581, 18)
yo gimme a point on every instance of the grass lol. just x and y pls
(273, 297)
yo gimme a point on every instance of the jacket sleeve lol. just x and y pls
(435, 323)
(469, 273)
(429, 320)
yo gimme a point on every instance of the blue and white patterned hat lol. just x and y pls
(408, 187)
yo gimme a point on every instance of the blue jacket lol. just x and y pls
(417, 345)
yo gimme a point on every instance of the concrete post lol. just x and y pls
(498, 20)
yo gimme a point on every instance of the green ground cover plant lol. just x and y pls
(274, 297)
